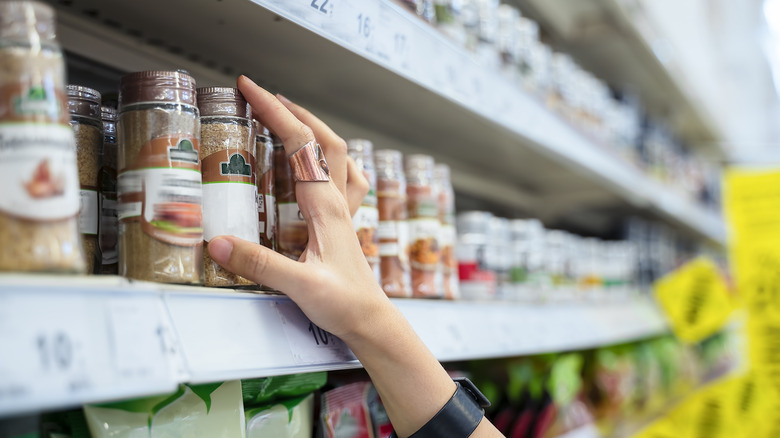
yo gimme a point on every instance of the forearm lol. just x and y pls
(412, 383)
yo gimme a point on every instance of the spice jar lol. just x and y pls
(292, 232)
(38, 164)
(366, 219)
(448, 235)
(159, 182)
(84, 108)
(424, 226)
(476, 280)
(392, 232)
(107, 230)
(227, 153)
(266, 200)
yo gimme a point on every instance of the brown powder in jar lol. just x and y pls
(88, 141)
(142, 256)
(292, 233)
(215, 137)
(393, 261)
(30, 245)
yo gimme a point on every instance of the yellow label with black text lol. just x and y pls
(695, 299)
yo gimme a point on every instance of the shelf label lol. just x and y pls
(309, 343)
(70, 347)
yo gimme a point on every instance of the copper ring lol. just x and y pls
(308, 163)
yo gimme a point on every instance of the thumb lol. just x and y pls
(256, 262)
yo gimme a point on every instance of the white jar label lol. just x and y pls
(230, 196)
(366, 221)
(387, 230)
(38, 171)
(88, 214)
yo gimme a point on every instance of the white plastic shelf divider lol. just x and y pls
(73, 340)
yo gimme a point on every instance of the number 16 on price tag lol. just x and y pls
(309, 343)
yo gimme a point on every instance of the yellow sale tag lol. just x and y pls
(752, 201)
(695, 299)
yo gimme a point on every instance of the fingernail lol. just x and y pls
(282, 98)
(246, 78)
(220, 249)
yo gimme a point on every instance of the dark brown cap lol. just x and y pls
(83, 101)
(223, 101)
(157, 86)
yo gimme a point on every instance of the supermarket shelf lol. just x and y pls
(75, 340)
(614, 39)
(370, 68)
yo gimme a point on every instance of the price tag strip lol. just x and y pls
(70, 345)
(309, 343)
(230, 335)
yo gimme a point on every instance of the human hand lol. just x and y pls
(332, 283)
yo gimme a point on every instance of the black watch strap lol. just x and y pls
(459, 416)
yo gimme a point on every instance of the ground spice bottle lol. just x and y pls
(292, 232)
(424, 227)
(366, 219)
(266, 199)
(38, 164)
(159, 181)
(448, 235)
(84, 108)
(107, 231)
(392, 232)
(227, 152)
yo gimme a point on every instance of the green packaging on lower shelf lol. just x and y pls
(291, 418)
(213, 410)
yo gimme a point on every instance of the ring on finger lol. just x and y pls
(308, 164)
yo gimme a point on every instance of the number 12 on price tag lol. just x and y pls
(309, 343)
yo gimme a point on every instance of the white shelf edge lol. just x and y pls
(204, 335)
(503, 103)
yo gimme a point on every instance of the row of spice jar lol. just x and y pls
(405, 224)
(520, 260)
(502, 39)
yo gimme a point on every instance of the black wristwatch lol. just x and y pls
(459, 417)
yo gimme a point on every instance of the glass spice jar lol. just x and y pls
(424, 227)
(84, 108)
(292, 231)
(366, 219)
(266, 200)
(38, 164)
(227, 152)
(448, 235)
(392, 232)
(159, 181)
(107, 231)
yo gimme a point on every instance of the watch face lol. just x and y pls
(473, 391)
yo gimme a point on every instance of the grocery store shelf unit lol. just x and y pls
(73, 340)
(370, 68)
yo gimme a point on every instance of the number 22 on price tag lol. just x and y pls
(309, 343)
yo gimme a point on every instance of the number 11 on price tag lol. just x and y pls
(309, 343)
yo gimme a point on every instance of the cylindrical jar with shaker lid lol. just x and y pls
(38, 171)
(476, 280)
(107, 230)
(84, 108)
(392, 232)
(448, 235)
(292, 231)
(424, 227)
(159, 182)
(227, 152)
(366, 219)
(266, 199)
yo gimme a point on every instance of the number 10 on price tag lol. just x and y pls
(309, 343)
